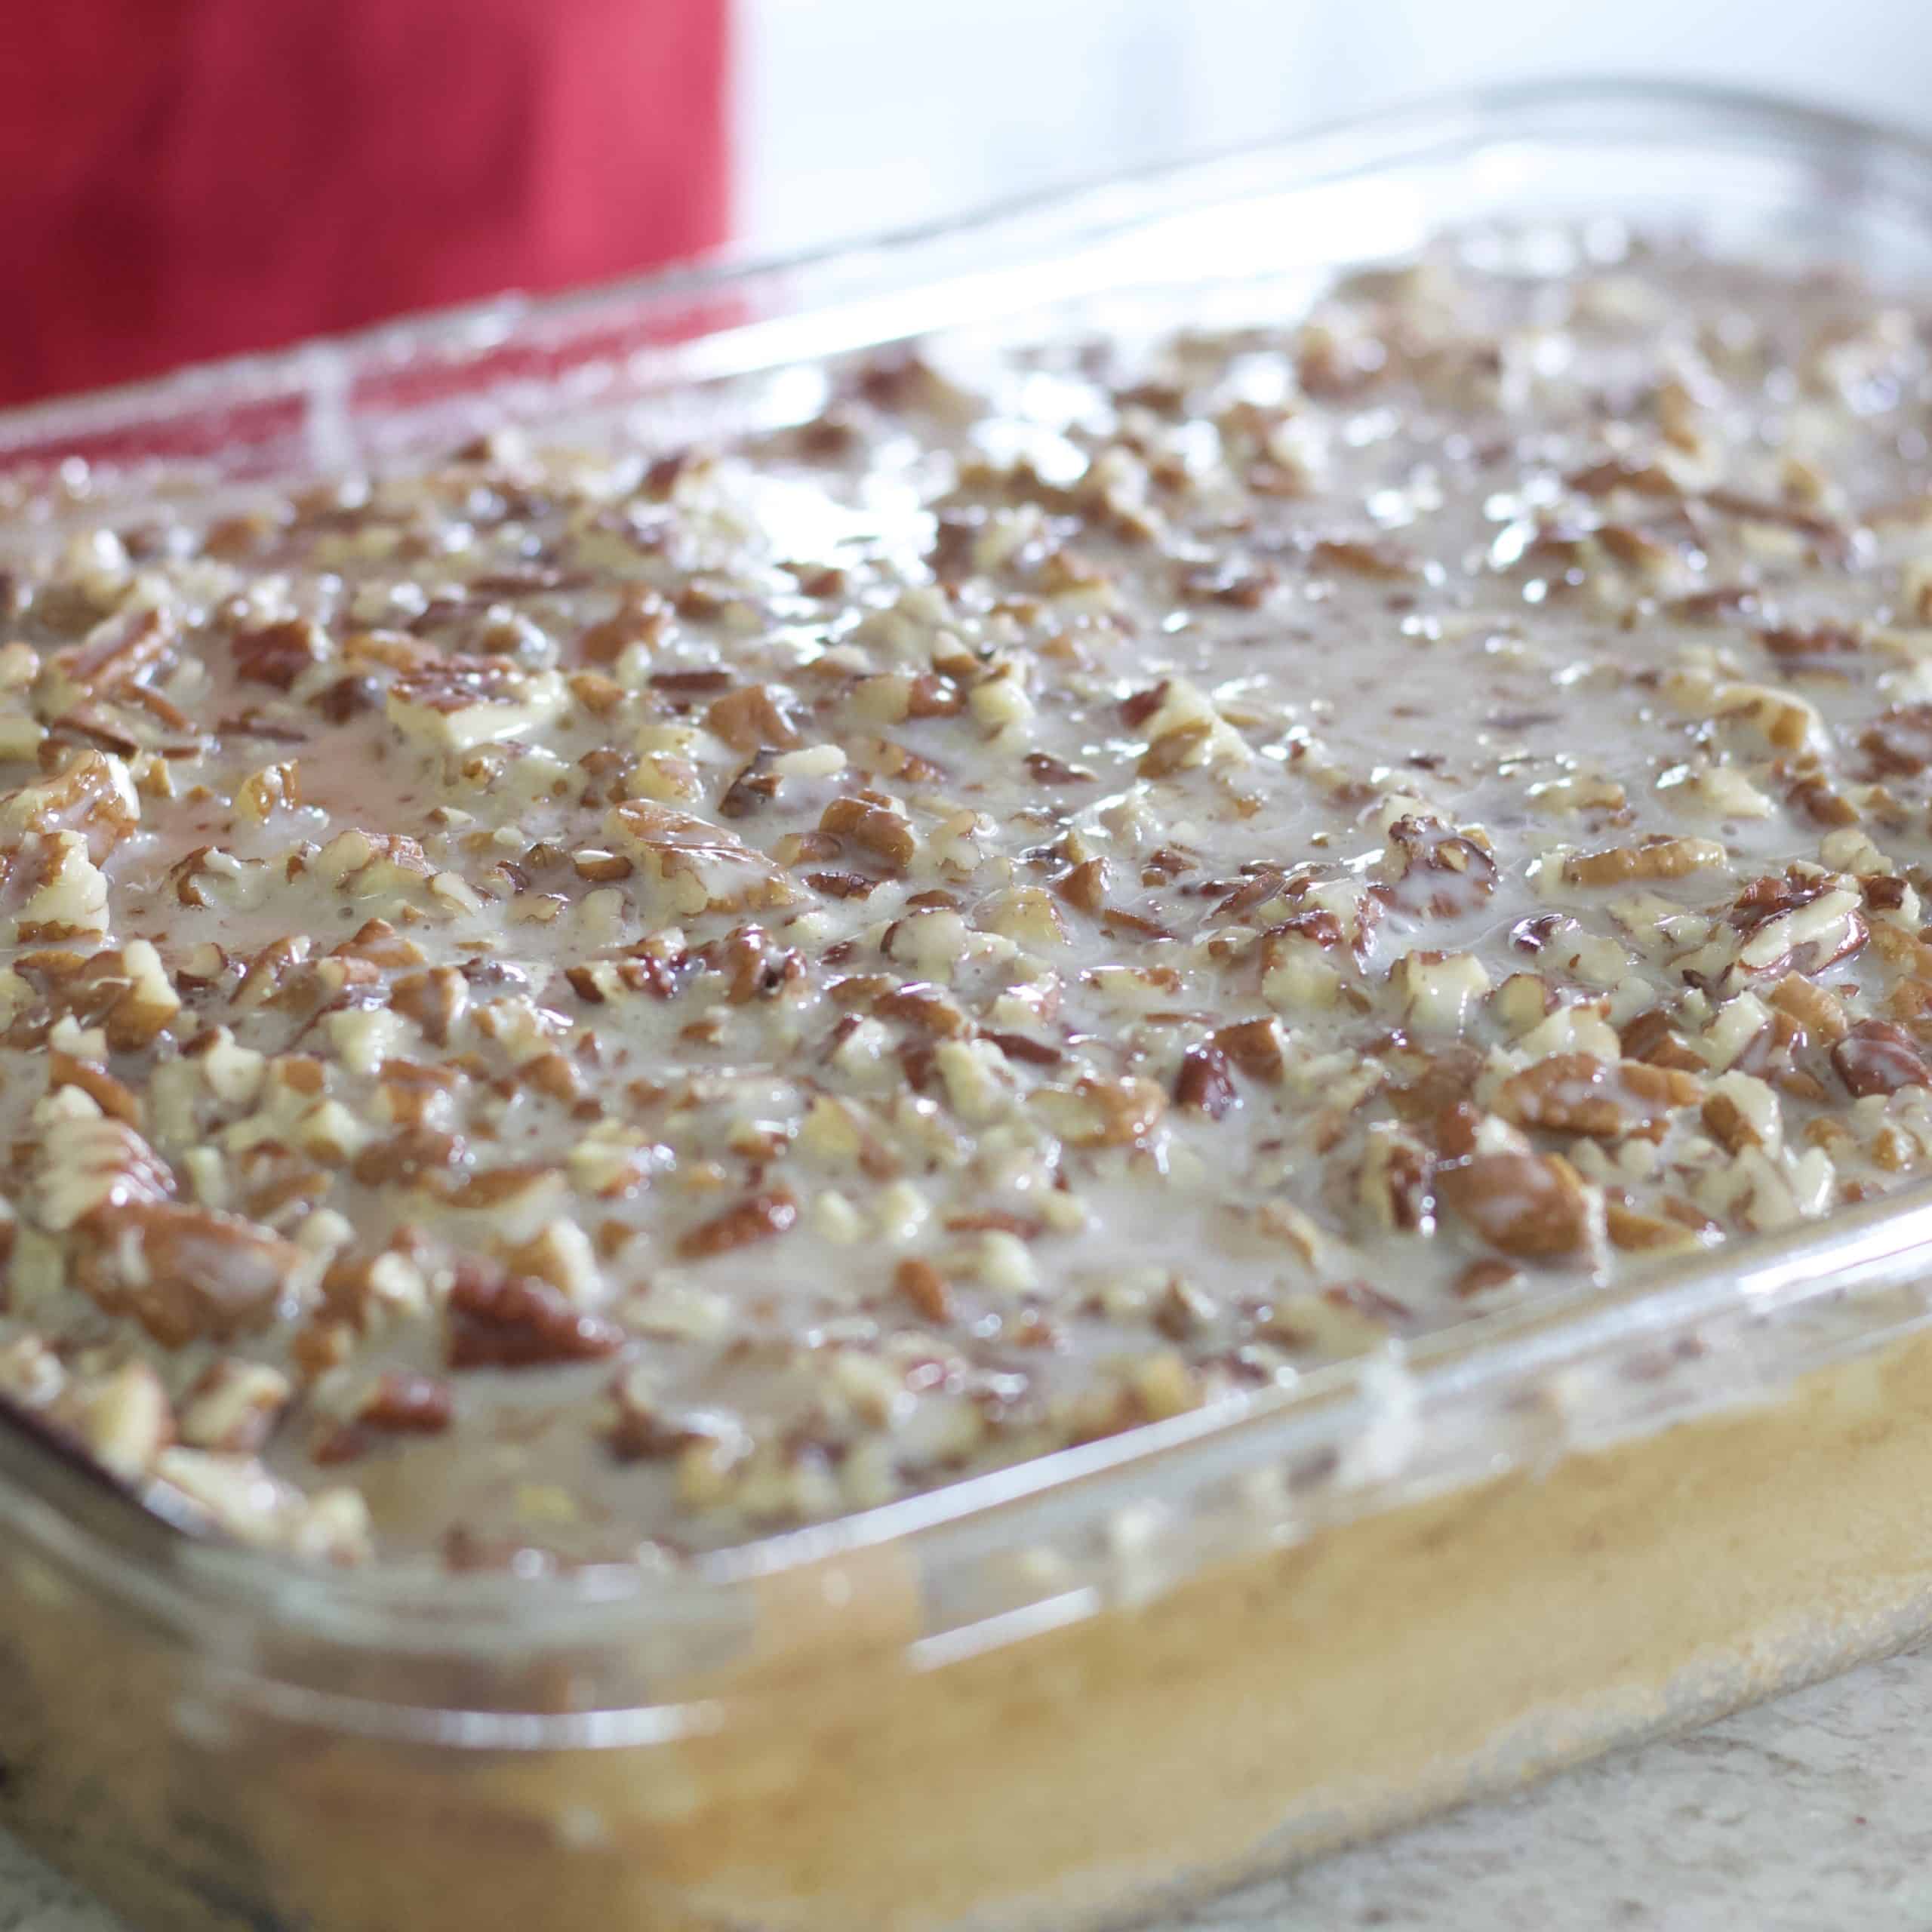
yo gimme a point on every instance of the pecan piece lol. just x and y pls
(1051, 770)
(403, 1403)
(1103, 1113)
(115, 656)
(642, 1430)
(1791, 645)
(1254, 1046)
(1204, 1083)
(1380, 559)
(1876, 1057)
(639, 618)
(700, 867)
(184, 1273)
(123, 1419)
(1018, 1046)
(1083, 885)
(1629, 1229)
(277, 654)
(93, 797)
(1644, 479)
(842, 885)
(1577, 1093)
(1898, 744)
(1225, 583)
(1530, 1205)
(1659, 857)
(1422, 846)
(922, 1006)
(347, 698)
(920, 1284)
(750, 719)
(758, 1217)
(1815, 1008)
(499, 1320)
(1395, 1181)
(1650, 1036)
(877, 830)
(435, 1000)
(233, 1406)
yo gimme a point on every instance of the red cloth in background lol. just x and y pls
(189, 178)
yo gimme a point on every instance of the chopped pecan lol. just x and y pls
(92, 796)
(122, 1418)
(758, 969)
(995, 1220)
(754, 787)
(1532, 1206)
(1230, 584)
(757, 1217)
(1791, 645)
(1083, 885)
(347, 698)
(1204, 1083)
(1657, 857)
(1652, 1037)
(1051, 770)
(1103, 1113)
(1395, 1181)
(701, 867)
(435, 1000)
(751, 719)
(1018, 1046)
(1424, 847)
(1876, 1056)
(1176, 750)
(403, 1403)
(117, 656)
(642, 1430)
(277, 654)
(1532, 934)
(1815, 1008)
(233, 1406)
(1255, 1046)
(880, 831)
(932, 695)
(1898, 744)
(1812, 794)
(841, 885)
(1575, 1093)
(922, 1284)
(114, 1097)
(1646, 1233)
(274, 788)
(500, 1321)
(1378, 558)
(924, 1007)
(1645, 479)
(639, 618)
(415, 1157)
(186, 1273)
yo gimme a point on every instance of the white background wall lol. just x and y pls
(858, 115)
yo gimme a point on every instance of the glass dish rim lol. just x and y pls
(221, 1594)
(1379, 136)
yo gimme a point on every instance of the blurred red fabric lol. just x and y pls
(189, 178)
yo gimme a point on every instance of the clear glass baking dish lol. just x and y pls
(1063, 1694)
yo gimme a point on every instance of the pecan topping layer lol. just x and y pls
(562, 1001)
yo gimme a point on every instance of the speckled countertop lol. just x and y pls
(1806, 1815)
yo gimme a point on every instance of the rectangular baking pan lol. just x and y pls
(1067, 1693)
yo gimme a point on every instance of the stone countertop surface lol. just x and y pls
(1809, 1814)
